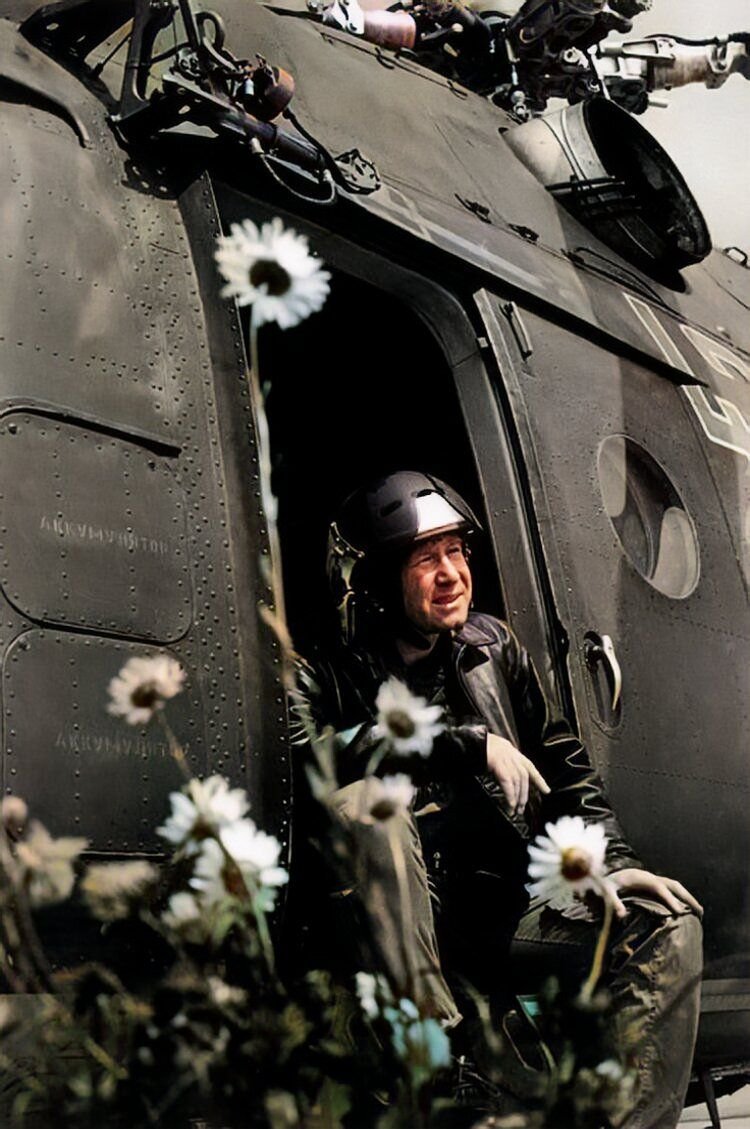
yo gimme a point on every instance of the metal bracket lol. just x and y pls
(358, 172)
(518, 326)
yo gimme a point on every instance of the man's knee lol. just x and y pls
(349, 804)
(356, 804)
(376, 842)
(654, 926)
(687, 941)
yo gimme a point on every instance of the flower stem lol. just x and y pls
(268, 500)
(175, 748)
(264, 936)
(596, 965)
(252, 892)
(376, 758)
(24, 954)
(407, 918)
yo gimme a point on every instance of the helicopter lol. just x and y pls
(524, 301)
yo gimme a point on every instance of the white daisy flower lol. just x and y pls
(14, 813)
(371, 990)
(47, 864)
(203, 808)
(186, 916)
(143, 686)
(392, 794)
(182, 910)
(611, 1069)
(109, 889)
(252, 864)
(568, 862)
(223, 994)
(271, 269)
(209, 880)
(406, 720)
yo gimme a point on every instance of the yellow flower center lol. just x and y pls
(400, 723)
(268, 273)
(146, 696)
(575, 864)
(234, 880)
(383, 809)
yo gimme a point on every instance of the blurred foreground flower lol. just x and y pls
(46, 864)
(370, 989)
(240, 859)
(271, 269)
(568, 862)
(406, 720)
(143, 686)
(202, 809)
(110, 889)
(225, 995)
(14, 813)
(608, 1089)
(420, 1044)
(185, 916)
(394, 794)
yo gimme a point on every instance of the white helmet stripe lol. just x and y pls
(435, 513)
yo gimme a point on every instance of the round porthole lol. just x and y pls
(652, 525)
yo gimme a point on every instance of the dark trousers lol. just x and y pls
(652, 969)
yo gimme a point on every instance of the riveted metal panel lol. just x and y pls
(89, 773)
(93, 530)
(95, 257)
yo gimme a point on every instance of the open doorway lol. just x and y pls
(358, 390)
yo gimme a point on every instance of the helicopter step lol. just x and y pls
(729, 1112)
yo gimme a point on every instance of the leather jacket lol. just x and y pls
(502, 689)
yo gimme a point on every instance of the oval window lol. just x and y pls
(652, 525)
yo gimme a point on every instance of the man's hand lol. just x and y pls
(667, 890)
(514, 772)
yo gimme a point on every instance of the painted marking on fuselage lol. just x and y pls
(720, 357)
(721, 420)
(108, 747)
(119, 538)
(649, 320)
(396, 204)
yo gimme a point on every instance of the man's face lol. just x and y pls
(436, 584)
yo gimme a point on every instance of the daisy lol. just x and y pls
(394, 794)
(47, 864)
(568, 862)
(185, 916)
(14, 813)
(272, 270)
(203, 808)
(223, 994)
(406, 720)
(370, 989)
(143, 686)
(242, 858)
(110, 888)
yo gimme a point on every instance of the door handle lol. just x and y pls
(600, 649)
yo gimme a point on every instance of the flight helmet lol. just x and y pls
(370, 537)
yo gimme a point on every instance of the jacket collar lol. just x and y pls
(475, 633)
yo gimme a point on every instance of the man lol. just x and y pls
(499, 770)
